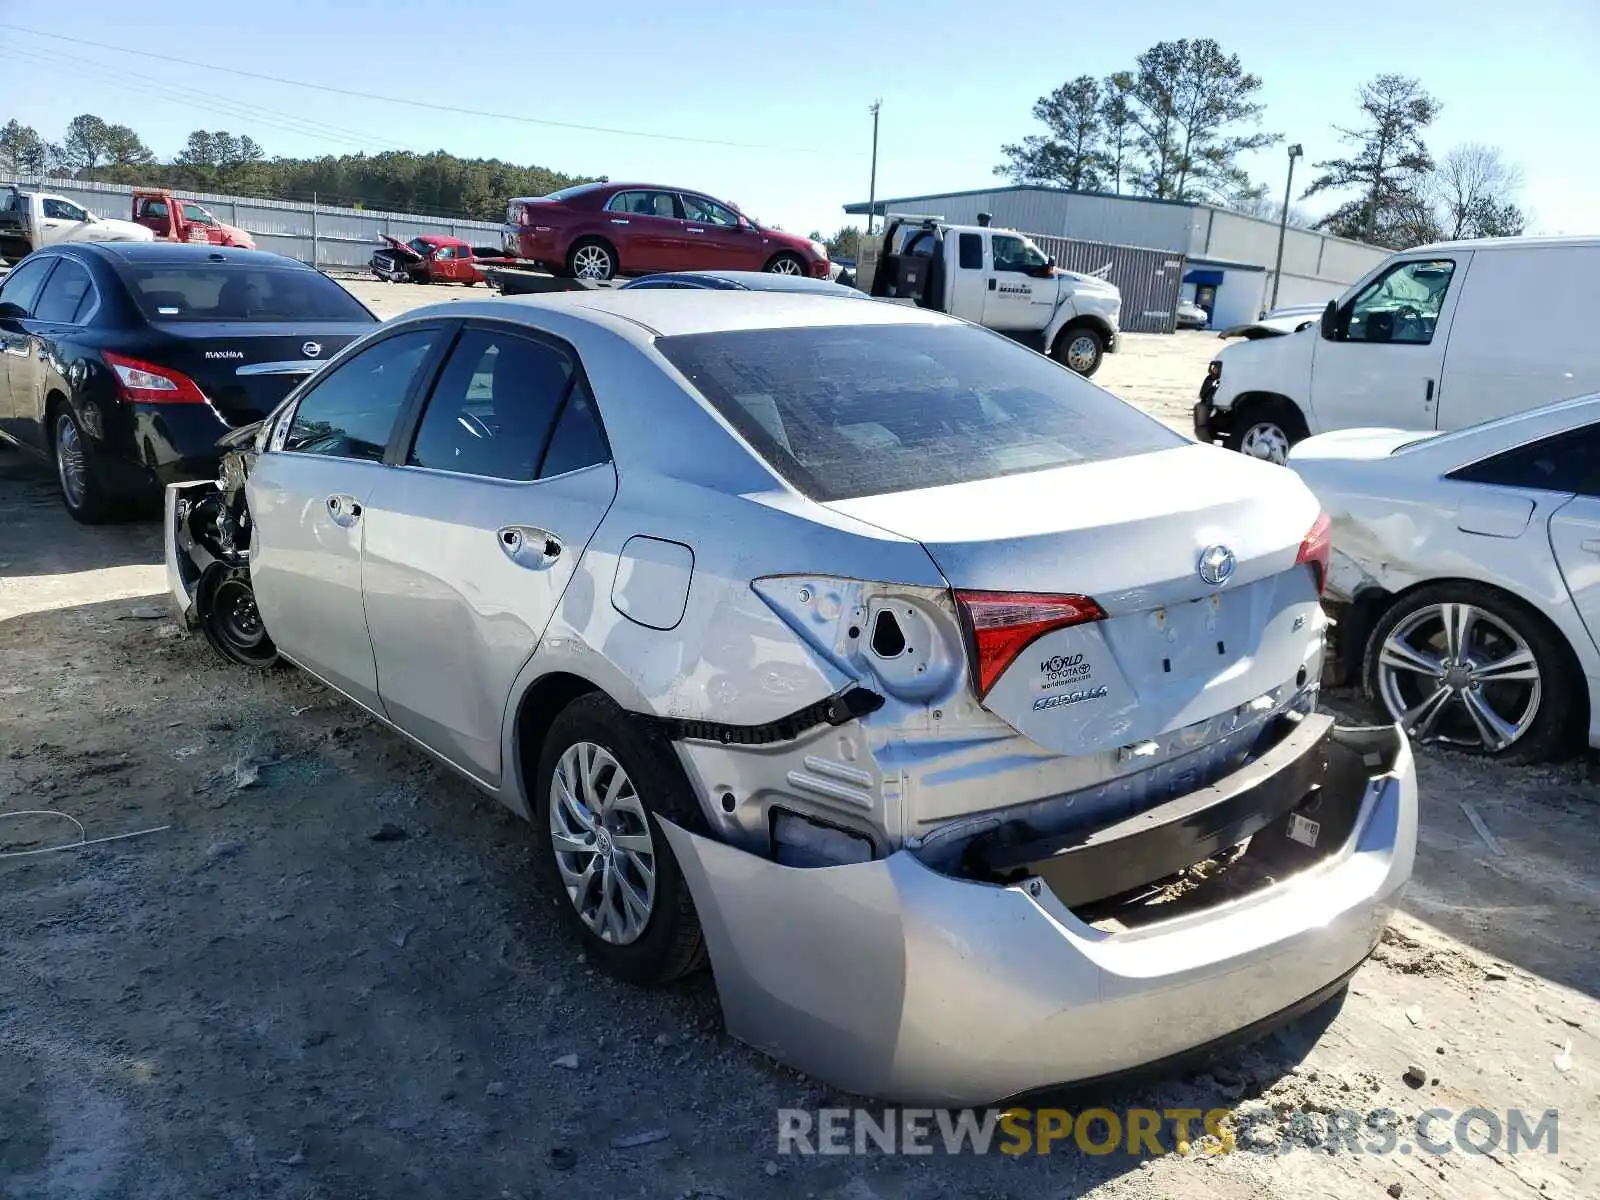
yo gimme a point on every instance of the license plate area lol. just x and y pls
(1180, 642)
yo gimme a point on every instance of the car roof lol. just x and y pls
(179, 253)
(670, 312)
(1484, 245)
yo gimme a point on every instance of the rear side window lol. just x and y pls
(67, 296)
(850, 411)
(1567, 462)
(351, 411)
(971, 252)
(224, 292)
(494, 407)
(21, 287)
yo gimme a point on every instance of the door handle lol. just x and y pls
(529, 547)
(992, 283)
(1592, 545)
(1429, 396)
(618, 221)
(694, 231)
(345, 510)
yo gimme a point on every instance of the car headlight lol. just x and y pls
(819, 250)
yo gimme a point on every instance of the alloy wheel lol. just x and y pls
(601, 839)
(1081, 352)
(591, 262)
(785, 266)
(70, 463)
(1459, 675)
(1266, 441)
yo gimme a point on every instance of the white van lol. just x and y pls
(1439, 337)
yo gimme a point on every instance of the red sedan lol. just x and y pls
(601, 230)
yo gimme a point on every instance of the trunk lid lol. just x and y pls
(1129, 533)
(245, 369)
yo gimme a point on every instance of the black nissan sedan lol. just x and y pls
(124, 362)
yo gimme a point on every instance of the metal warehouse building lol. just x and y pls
(1230, 256)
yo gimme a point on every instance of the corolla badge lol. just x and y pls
(1217, 564)
(311, 349)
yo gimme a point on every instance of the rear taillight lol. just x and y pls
(1317, 549)
(1003, 624)
(145, 383)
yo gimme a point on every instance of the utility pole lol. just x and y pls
(872, 187)
(1283, 221)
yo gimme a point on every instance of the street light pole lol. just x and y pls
(872, 187)
(1295, 152)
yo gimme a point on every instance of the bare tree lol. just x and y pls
(1475, 188)
(1257, 202)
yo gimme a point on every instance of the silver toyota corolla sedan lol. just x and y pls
(960, 714)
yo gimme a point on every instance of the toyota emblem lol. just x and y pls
(1217, 565)
(311, 349)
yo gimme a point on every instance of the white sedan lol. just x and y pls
(1466, 575)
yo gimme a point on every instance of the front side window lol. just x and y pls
(493, 409)
(60, 210)
(1013, 253)
(445, 253)
(1401, 306)
(21, 287)
(224, 292)
(1566, 462)
(844, 411)
(351, 411)
(68, 293)
(199, 216)
(698, 208)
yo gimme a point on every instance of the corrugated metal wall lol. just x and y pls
(324, 236)
(1316, 266)
(1149, 280)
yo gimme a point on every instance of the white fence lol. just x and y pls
(316, 234)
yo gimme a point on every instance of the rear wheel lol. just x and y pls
(1468, 667)
(787, 264)
(593, 260)
(76, 472)
(1081, 350)
(1267, 429)
(603, 778)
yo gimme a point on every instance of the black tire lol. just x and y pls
(225, 610)
(1080, 349)
(671, 944)
(787, 264)
(82, 491)
(593, 248)
(1260, 424)
(1561, 713)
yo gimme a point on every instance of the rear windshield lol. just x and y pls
(220, 292)
(849, 411)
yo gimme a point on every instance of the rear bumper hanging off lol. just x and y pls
(892, 979)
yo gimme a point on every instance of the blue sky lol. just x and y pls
(956, 81)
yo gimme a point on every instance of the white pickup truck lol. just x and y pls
(997, 278)
(29, 220)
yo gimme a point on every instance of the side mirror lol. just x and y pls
(1330, 321)
(11, 312)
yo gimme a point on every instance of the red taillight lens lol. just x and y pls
(1317, 549)
(1003, 624)
(145, 383)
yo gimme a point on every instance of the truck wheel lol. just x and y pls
(1267, 429)
(1080, 350)
(592, 259)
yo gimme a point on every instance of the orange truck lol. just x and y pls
(175, 220)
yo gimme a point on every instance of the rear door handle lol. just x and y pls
(529, 547)
(695, 231)
(1429, 396)
(618, 221)
(992, 283)
(344, 510)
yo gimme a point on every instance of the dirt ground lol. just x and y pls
(322, 968)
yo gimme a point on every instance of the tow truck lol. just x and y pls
(173, 219)
(997, 278)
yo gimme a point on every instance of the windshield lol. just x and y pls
(222, 292)
(848, 411)
(420, 246)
